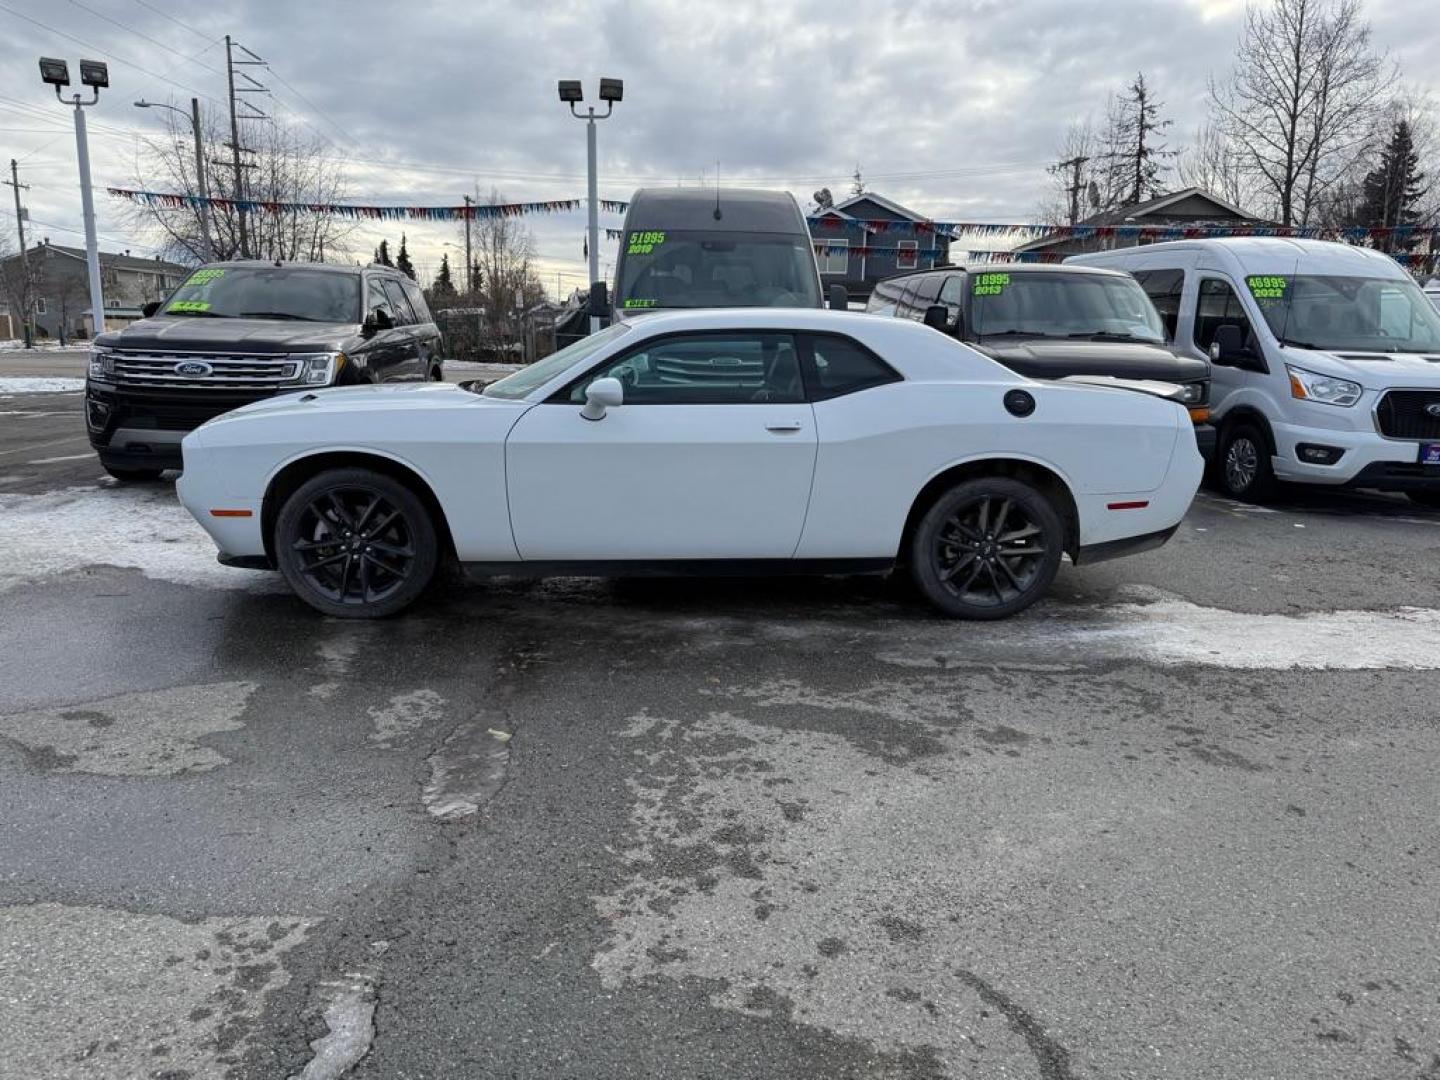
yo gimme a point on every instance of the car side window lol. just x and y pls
(839, 365)
(1219, 305)
(417, 301)
(1164, 287)
(398, 303)
(952, 290)
(375, 298)
(905, 309)
(703, 369)
(884, 297)
(927, 292)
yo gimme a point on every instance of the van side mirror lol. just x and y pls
(1227, 347)
(149, 309)
(937, 317)
(839, 298)
(600, 395)
(378, 319)
(599, 300)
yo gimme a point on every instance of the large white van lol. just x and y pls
(1326, 359)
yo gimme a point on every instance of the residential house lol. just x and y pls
(905, 241)
(60, 289)
(1190, 207)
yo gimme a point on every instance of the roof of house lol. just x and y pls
(879, 200)
(1135, 213)
(116, 259)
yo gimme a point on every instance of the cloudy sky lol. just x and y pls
(952, 107)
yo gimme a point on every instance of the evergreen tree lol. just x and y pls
(443, 286)
(1134, 155)
(402, 260)
(1393, 189)
(477, 280)
(382, 254)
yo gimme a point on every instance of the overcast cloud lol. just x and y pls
(952, 107)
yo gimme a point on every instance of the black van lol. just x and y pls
(237, 332)
(715, 247)
(1050, 322)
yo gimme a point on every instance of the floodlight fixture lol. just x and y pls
(94, 74)
(612, 89)
(571, 91)
(54, 72)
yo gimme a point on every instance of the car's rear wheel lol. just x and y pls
(987, 548)
(1428, 499)
(1242, 464)
(356, 544)
(132, 476)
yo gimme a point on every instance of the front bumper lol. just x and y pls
(139, 428)
(1369, 460)
(1206, 436)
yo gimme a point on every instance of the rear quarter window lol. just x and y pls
(838, 365)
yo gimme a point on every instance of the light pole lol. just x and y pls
(95, 75)
(611, 91)
(207, 249)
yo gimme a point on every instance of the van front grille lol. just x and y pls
(1409, 414)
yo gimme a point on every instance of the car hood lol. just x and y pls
(1374, 371)
(1042, 358)
(229, 335)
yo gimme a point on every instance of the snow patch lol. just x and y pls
(350, 1016)
(39, 385)
(403, 716)
(143, 528)
(466, 772)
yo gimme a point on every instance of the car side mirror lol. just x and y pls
(1227, 347)
(839, 297)
(149, 309)
(600, 395)
(937, 317)
(599, 302)
(378, 319)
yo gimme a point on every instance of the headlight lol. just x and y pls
(102, 363)
(317, 369)
(1326, 389)
(1192, 394)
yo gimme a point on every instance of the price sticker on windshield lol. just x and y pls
(629, 304)
(643, 243)
(989, 284)
(189, 305)
(1267, 287)
(204, 277)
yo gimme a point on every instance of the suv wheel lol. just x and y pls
(987, 548)
(356, 544)
(1242, 466)
(132, 476)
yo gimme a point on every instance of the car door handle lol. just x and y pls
(782, 426)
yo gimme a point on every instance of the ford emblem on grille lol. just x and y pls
(193, 369)
(1433, 410)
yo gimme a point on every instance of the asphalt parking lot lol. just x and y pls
(1180, 820)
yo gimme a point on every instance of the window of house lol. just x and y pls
(843, 366)
(834, 258)
(1164, 288)
(908, 257)
(703, 369)
(1219, 305)
(39, 305)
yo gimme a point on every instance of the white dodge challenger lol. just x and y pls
(709, 442)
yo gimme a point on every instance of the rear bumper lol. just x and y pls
(1130, 545)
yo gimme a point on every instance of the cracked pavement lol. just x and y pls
(1178, 821)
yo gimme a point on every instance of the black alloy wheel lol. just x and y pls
(987, 549)
(1242, 465)
(356, 544)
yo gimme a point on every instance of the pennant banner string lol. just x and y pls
(171, 201)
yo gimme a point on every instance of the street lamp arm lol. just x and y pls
(76, 99)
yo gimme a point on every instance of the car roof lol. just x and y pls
(297, 264)
(1012, 268)
(741, 210)
(1320, 256)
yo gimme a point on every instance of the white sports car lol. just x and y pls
(752, 441)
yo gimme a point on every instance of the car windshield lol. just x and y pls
(690, 269)
(1347, 313)
(268, 292)
(1062, 306)
(542, 371)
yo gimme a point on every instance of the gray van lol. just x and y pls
(715, 247)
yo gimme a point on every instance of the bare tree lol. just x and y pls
(1212, 163)
(1306, 87)
(289, 166)
(1074, 176)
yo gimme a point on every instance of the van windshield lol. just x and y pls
(1061, 305)
(268, 292)
(677, 268)
(1358, 314)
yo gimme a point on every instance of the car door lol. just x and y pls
(1218, 303)
(408, 362)
(425, 332)
(709, 457)
(384, 352)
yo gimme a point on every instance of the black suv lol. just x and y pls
(1049, 322)
(237, 332)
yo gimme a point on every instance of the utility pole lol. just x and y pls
(469, 275)
(1075, 186)
(14, 182)
(207, 246)
(235, 148)
(611, 91)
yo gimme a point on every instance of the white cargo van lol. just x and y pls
(1326, 359)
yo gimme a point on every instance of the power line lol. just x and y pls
(154, 41)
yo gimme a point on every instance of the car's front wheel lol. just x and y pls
(987, 548)
(356, 544)
(1242, 465)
